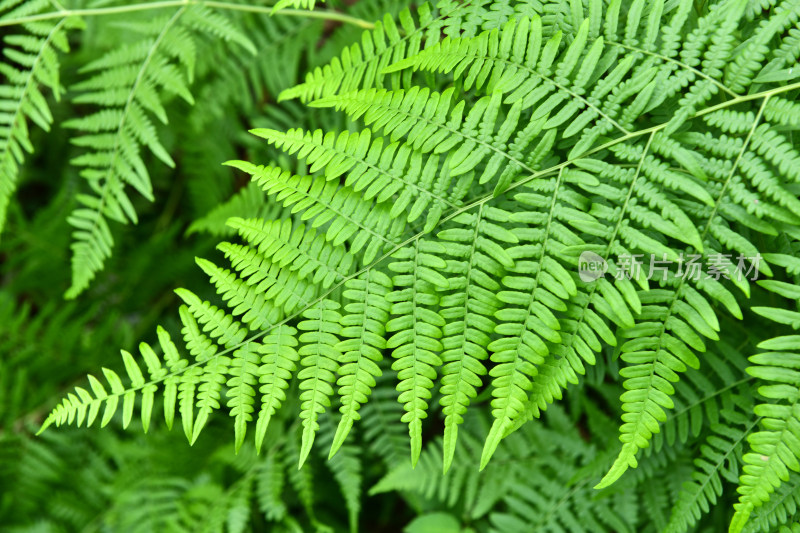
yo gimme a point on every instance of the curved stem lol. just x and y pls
(318, 14)
(676, 62)
(321, 14)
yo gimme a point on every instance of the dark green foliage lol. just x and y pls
(397, 256)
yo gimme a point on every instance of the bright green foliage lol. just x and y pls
(771, 452)
(473, 259)
(363, 337)
(319, 358)
(473, 207)
(361, 65)
(415, 331)
(718, 461)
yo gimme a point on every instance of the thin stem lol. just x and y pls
(676, 62)
(319, 14)
(748, 97)
(95, 12)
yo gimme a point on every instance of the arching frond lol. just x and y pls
(33, 66)
(518, 194)
(127, 86)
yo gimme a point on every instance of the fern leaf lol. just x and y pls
(279, 359)
(363, 329)
(504, 142)
(319, 357)
(416, 331)
(272, 286)
(383, 436)
(346, 468)
(116, 134)
(718, 461)
(364, 158)
(270, 480)
(476, 259)
(582, 325)
(323, 201)
(245, 372)
(780, 509)
(245, 300)
(422, 117)
(773, 450)
(359, 66)
(127, 85)
(512, 60)
(206, 382)
(85, 406)
(33, 66)
(305, 252)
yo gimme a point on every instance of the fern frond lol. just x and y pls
(346, 468)
(127, 85)
(364, 329)
(431, 124)
(116, 135)
(384, 171)
(257, 310)
(299, 250)
(536, 287)
(85, 406)
(461, 483)
(711, 46)
(415, 330)
(354, 219)
(718, 460)
(33, 66)
(361, 65)
(774, 450)
(270, 479)
(475, 261)
(781, 508)
(646, 410)
(782, 111)
(319, 357)
(261, 282)
(208, 382)
(742, 72)
(383, 436)
(279, 359)
(245, 373)
(581, 323)
(452, 232)
(514, 62)
(704, 399)
(660, 346)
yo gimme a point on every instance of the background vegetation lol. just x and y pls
(115, 121)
